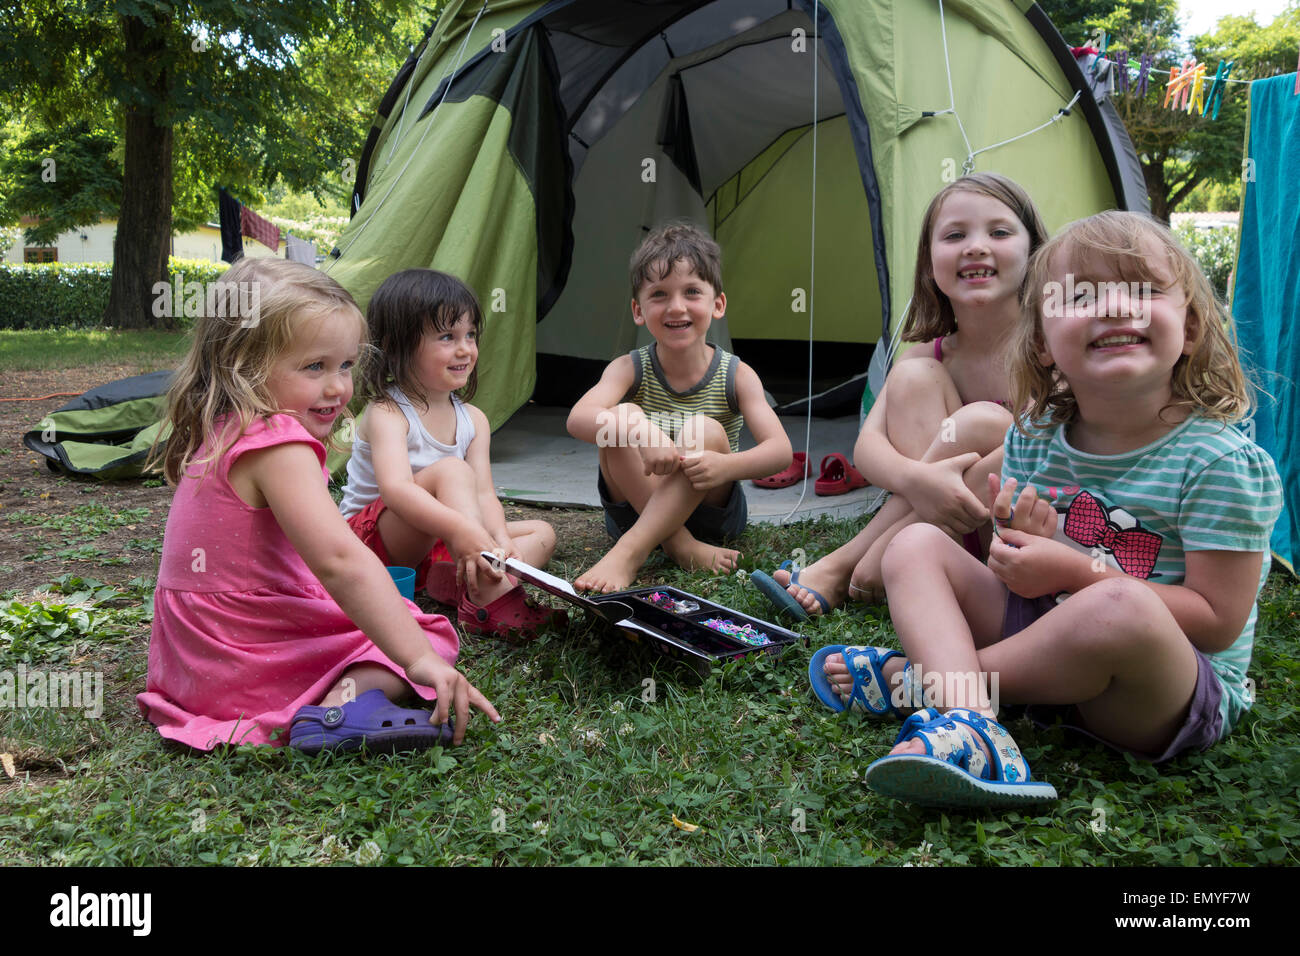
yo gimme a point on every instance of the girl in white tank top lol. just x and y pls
(419, 481)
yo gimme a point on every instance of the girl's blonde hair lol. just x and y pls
(253, 313)
(1209, 380)
(931, 315)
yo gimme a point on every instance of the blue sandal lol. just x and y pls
(953, 772)
(870, 694)
(782, 598)
(371, 721)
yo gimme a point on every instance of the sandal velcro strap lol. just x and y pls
(954, 772)
(870, 694)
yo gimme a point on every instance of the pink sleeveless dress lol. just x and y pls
(243, 633)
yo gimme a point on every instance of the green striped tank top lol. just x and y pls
(714, 395)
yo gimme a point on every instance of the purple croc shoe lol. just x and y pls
(371, 721)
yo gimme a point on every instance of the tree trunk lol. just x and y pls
(143, 239)
(1153, 171)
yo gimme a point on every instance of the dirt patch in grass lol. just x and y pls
(111, 531)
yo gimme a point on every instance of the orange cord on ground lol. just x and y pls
(43, 397)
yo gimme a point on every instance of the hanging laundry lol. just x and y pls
(232, 243)
(255, 227)
(300, 250)
(1266, 297)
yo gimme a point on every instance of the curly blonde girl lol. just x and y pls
(254, 311)
(1132, 248)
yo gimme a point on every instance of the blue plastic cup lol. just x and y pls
(404, 578)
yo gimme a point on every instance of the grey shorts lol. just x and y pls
(708, 523)
(1201, 729)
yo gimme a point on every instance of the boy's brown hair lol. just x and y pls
(655, 258)
(1210, 380)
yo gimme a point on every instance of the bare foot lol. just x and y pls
(815, 578)
(613, 572)
(489, 590)
(696, 555)
(841, 680)
(917, 746)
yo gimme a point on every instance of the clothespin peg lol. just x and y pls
(1144, 70)
(1101, 45)
(1121, 71)
(1172, 87)
(1217, 88)
(1196, 95)
(1297, 78)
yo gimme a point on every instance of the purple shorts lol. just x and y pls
(1201, 729)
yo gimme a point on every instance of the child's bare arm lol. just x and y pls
(771, 452)
(1211, 605)
(593, 412)
(385, 429)
(288, 477)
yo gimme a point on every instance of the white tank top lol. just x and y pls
(421, 448)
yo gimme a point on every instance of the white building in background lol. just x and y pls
(95, 244)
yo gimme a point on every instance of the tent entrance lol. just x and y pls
(720, 133)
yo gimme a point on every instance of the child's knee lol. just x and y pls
(916, 545)
(444, 473)
(702, 433)
(1124, 612)
(915, 379)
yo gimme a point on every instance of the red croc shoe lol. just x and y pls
(799, 468)
(838, 476)
(512, 615)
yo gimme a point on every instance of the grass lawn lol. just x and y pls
(28, 349)
(602, 744)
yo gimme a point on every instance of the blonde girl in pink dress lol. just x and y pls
(273, 623)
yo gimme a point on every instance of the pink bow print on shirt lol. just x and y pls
(1087, 522)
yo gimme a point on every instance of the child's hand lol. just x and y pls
(943, 499)
(705, 471)
(466, 546)
(455, 694)
(1031, 565)
(1030, 514)
(659, 456)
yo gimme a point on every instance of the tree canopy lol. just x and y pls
(144, 106)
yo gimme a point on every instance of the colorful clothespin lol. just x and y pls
(1172, 87)
(1144, 68)
(1217, 88)
(1100, 41)
(1297, 77)
(1179, 85)
(1196, 93)
(1121, 71)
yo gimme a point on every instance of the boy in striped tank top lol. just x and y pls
(1120, 594)
(666, 419)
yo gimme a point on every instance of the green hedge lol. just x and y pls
(1214, 249)
(73, 295)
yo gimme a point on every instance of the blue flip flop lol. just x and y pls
(870, 695)
(953, 771)
(782, 598)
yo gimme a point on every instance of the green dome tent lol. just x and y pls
(526, 147)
